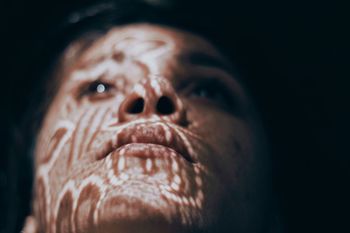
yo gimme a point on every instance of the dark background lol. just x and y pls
(292, 55)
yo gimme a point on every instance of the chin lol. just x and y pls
(139, 206)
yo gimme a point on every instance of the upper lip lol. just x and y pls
(151, 133)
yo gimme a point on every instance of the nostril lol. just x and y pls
(136, 106)
(165, 106)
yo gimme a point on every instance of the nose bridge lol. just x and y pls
(153, 97)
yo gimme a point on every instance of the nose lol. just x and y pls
(153, 98)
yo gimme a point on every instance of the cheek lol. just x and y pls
(230, 137)
(68, 116)
(225, 132)
(70, 127)
(238, 160)
(64, 138)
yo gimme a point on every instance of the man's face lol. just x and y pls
(149, 131)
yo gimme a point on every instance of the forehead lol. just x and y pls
(137, 39)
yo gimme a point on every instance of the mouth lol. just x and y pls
(145, 137)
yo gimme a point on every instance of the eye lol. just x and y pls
(211, 92)
(97, 90)
(207, 91)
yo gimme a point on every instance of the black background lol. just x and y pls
(293, 56)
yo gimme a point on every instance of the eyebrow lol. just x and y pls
(200, 58)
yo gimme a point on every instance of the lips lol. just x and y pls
(152, 135)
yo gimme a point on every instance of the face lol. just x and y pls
(149, 132)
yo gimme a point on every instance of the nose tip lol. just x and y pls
(150, 100)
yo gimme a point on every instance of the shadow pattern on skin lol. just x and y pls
(138, 139)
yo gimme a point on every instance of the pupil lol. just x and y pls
(100, 88)
(203, 93)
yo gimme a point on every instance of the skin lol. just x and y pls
(149, 132)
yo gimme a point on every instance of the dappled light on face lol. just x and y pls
(141, 132)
